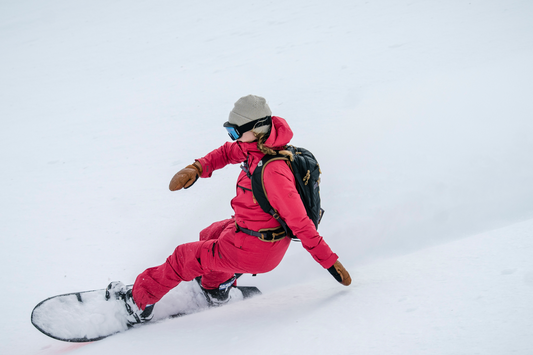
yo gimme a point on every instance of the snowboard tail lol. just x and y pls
(87, 316)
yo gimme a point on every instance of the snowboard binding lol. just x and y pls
(221, 295)
(116, 290)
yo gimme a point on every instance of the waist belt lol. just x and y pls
(266, 235)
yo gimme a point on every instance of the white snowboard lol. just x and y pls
(87, 316)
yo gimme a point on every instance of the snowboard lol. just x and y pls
(87, 316)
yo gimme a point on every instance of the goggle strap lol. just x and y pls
(265, 121)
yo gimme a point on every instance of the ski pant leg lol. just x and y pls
(153, 283)
(212, 279)
(237, 252)
(216, 259)
(183, 265)
(234, 252)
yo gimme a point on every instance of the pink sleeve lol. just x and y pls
(229, 153)
(284, 198)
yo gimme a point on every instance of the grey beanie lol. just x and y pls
(250, 108)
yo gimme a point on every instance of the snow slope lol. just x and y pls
(420, 113)
(471, 296)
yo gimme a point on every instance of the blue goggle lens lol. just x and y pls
(232, 132)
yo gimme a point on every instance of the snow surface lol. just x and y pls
(419, 112)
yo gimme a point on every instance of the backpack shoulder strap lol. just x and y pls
(258, 182)
(259, 191)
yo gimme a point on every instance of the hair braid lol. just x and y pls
(261, 139)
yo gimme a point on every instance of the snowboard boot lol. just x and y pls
(218, 296)
(117, 290)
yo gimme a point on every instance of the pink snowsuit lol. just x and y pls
(223, 251)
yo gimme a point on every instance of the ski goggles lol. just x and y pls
(235, 132)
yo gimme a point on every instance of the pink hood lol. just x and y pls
(280, 134)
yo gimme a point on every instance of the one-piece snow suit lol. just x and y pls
(223, 250)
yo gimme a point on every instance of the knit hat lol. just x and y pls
(250, 108)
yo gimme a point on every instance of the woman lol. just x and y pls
(229, 247)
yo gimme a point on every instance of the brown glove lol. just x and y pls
(186, 177)
(340, 274)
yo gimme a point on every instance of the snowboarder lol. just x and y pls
(234, 246)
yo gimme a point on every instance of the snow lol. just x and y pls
(418, 111)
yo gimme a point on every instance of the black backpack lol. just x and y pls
(307, 175)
